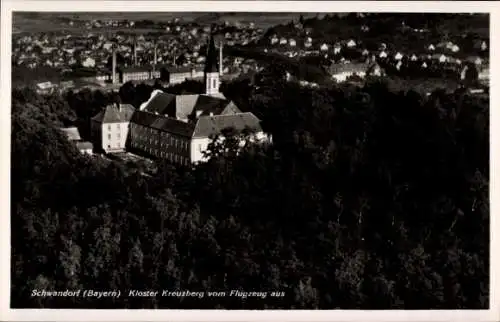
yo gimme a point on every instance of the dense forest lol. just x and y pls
(367, 199)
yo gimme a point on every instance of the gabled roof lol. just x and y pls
(207, 126)
(72, 133)
(181, 106)
(163, 123)
(113, 114)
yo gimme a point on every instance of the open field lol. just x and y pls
(47, 21)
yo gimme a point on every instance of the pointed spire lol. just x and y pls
(211, 64)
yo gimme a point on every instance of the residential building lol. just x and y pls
(73, 135)
(110, 127)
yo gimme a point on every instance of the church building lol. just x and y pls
(179, 128)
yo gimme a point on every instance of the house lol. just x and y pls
(85, 147)
(109, 128)
(274, 40)
(292, 42)
(351, 44)
(440, 57)
(44, 88)
(341, 72)
(382, 54)
(431, 47)
(324, 47)
(413, 57)
(398, 56)
(88, 62)
(308, 42)
(73, 136)
(484, 46)
(374, 69)
(454, 48)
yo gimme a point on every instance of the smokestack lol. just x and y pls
(135, 53)
(155, 58)
(221, 67)
(113, 67)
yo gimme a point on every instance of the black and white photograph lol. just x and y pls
(247, 160)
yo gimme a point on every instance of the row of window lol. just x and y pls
(136, 77)
(110, 128)
(118, 136)
(173, 157)
(158, 137)
(178, 144)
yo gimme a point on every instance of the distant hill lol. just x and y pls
(31, 21)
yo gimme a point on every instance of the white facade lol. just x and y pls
(200, 145)
(197, 147)
(212, 83)
(114, 136)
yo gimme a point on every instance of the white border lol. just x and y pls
(6, 314)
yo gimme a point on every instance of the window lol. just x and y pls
(109, 136)
(199, 147)
(118, 126)
(214, 83)
(109, 127)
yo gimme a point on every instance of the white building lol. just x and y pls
(109, 128)
(88, 62)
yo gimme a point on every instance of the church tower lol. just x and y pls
(212, 80)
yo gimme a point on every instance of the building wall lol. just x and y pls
(160, 144)
(177, 78)
(197, 147)
(136, 76)
(114, 136)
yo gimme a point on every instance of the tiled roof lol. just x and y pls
(207, 126)
(163, 123)
(181, 106)
(112, 114)
(159, 103)
(72, 133)
(209, 104)
(84, 145)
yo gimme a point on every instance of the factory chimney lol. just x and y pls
(221, 67)
(155, 58)
(135, 52)
(113, 66)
